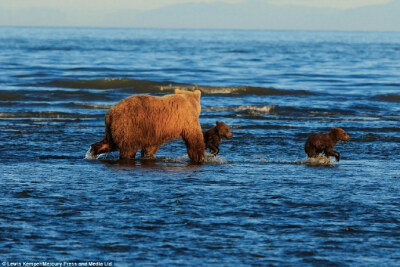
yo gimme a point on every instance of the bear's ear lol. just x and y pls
(217, 122)
(197, 93)
(334, 131)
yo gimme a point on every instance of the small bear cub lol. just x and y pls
(213, 137)
(317, 143)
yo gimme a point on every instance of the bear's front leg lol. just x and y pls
(195, 146)
(332, 153)
(214, 150)
(337, 155)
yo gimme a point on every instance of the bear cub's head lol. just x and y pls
(339, 134)
(223, 130)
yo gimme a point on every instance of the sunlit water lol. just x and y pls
(259, 202)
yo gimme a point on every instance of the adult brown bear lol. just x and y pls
(146, 122)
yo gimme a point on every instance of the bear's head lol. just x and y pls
(223, 130)
(192, 96)
(339, 134)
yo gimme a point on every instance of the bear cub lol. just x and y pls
(213, 137)
(317, 143)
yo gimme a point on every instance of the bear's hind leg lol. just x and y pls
(148, 152)
(128, 153)
(312, 152)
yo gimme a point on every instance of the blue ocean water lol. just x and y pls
(259, 202)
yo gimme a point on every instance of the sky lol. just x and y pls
(364, 15)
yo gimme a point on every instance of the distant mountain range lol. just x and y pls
(251, 14)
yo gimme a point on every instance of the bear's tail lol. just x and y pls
(106, 145)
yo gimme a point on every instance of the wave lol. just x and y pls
(52, 95)
(371, 137)
(387, 98)
(261, 110)
(91, 106)
(12, 96)
(378, 129)
(44, 115)
(145, 86)
(251, 110)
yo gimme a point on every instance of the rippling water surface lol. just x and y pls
(259, 202)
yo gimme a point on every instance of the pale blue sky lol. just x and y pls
(381, 15)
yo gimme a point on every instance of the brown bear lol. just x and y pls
(146, 122)
(213, 137)
(317, 143)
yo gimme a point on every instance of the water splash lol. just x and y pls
(262, 159)
(215, 159)
(209, 158)
(90, 156)
(180, 159)
(320, 160)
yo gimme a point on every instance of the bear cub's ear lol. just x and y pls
(335, 130)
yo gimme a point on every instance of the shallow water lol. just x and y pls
(259, 202)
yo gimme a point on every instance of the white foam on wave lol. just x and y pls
(204, 89)
(251, 109)
(93, 106)
(260, 109)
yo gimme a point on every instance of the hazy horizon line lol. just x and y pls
(193, 29)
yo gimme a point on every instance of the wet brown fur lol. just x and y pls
(146, 122)
(213, 137)
(318, 143)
